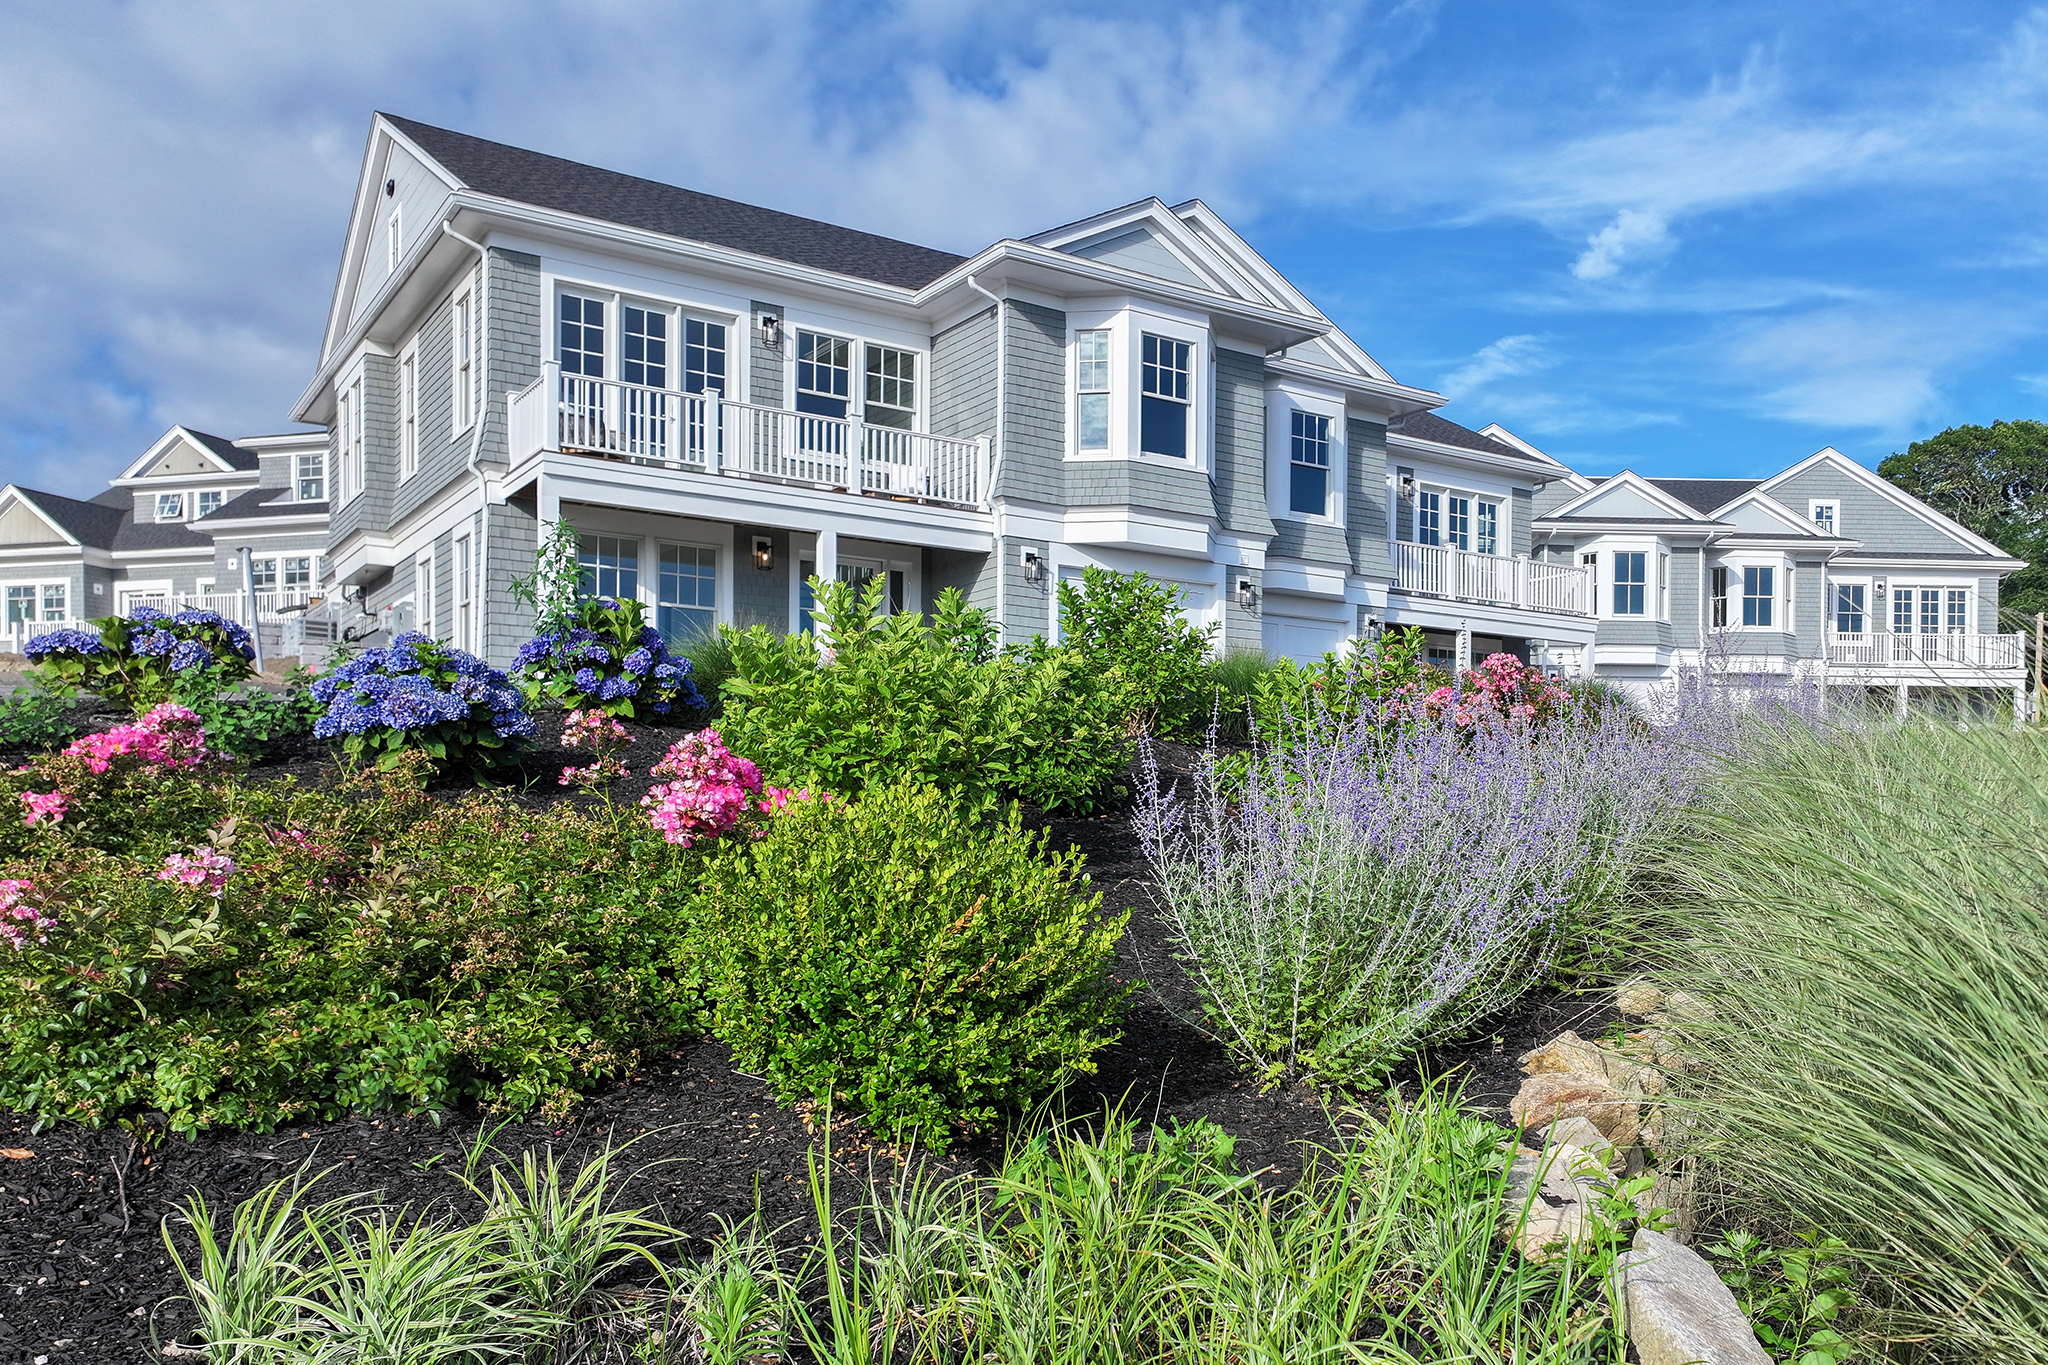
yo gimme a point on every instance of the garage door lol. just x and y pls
(1302, 638)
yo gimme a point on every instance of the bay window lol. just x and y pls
(1091, 389)
(1308, 467)
(1758, 594)
(1630, 568)
(1163, 424)
(1720, 596)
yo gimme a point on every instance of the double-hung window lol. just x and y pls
(297, 573)
(1720, 592)
(408, 416)
(688, 605)
(21, 604)
(170, 507)
(1091, 389)
(1630, 569)
(1902, 610)
(1758, 594)
(461, 350)
(1848, 608)
(1824, 517)
(1163, 424)
(608, 566)
(1429, 517)
(463, 570)
(352, 475)
(892, 388)
(581, 337)
(1958, 619)
(56, 597)
(1488, 529)
(423, 596)
(1458, 532)
(1308, 469)
(823, 374)
(312, 472)
(1930, 611)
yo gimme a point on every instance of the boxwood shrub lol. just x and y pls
(929, 969)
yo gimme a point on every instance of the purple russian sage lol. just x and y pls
(1361, 890)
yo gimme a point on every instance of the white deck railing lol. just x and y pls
(704, 432)
(1887, 649)
(272, 609)
(1508, 581)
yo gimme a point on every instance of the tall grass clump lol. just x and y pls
(1868, 931)
(1368, 888)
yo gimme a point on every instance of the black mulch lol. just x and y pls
(84, 1276)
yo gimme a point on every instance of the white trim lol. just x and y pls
(463, 359)
(406, 411)
(1900, 497)
(1629, 479)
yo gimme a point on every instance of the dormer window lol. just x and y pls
(170, 507)
(208, 503)
(1824, 516)
(1163, 429)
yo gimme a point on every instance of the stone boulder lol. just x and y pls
(1548, 1097)
(1550, 1197)
(1675, 1309)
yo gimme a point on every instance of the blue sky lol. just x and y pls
(1688, 239)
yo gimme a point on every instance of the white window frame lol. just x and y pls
(348, 473)
(39, 599)
(299, 479)
(408, 412)
(1834, 510)
(423, 595)
(1942, 587)
(1834, 615)
(464, 567)
(1447, 489)
(918, 381)
(199, 508)
(1091, 382)
(719, 557)
(1742, 595)
(394, 238)
(180, 505)
(1648, 553)
(1126, 325)
(462, 350)
(1282, 403)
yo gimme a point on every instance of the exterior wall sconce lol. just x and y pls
(1878, 587)
(764, 553)
(1034, 566)
(771, 330)
(1247, 595)
(1407, 485)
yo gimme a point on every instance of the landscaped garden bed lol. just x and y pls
(911, 1003)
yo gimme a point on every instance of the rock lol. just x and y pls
(1544, 1099)
(1673, 1190)
(1548, 1204)
(1686, 1009)
(1675, 1309)
(1638, 999)
(1570, 1055)
(1581, 1133)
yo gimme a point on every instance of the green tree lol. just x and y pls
(1993, 480)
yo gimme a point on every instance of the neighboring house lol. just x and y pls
(195, 522)
(726, 399)
(1824, 572)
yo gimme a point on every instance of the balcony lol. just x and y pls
(1501, 580)
(1953, 657)
(705, 433)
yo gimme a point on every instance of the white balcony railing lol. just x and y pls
(706, 433)
(1508, 581)
(1900, 650)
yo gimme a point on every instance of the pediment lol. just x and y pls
(418, 185)
(1625, 497)
(1755, 514)
(23, 523)
(174, 454)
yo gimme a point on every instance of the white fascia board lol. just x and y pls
(1794, 524)
(290, 521)
(1139, 529)
(285, 442)
(1571, 478)
(1460, 455)
(356, 243)
(1489, 618)
(1708, 531)
(1967, 564)
(21, 495)
(240, 479)
(1885, 488)
(1395, 399)
(1628, 478)
(164, 442)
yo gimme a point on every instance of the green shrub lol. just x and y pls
(370, 948)
(418, 695)
(894, 953)
(145, 658)
(1130, 631)
(1340, 687)
(248, 722)
(900, 701)
(36, 717)
(1867, 941)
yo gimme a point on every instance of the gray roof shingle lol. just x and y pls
(236, 457)
(1705, 494)
(1427, 426)
(264, 502)
(572, 187)
(93, 523)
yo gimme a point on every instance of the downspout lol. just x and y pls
(479, 581)
(996, 459)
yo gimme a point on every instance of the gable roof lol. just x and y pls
(89, 523)
(1706, 495)
(571, 187)
(1628, 489)
(1427, 426)
(230, 457)
(1890, 491)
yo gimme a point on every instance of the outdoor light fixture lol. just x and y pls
(771, 330)
(1878, 587)
(1247, 595)
(1034, 566)
(1407, 485)
(390, 188)
(764, 552)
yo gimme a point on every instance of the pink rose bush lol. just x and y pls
(710, 788)
(22, 922)
(44, 807)
(1501, 689)
(203, 870)
(165, 740)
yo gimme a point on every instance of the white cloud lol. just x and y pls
(1510, 356)
(1632, 234)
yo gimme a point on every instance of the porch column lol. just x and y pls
(828, 556)
(1899, 710)
(1464, 655)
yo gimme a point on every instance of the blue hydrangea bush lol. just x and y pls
(146, 658)
(419, 695)
(607, 658)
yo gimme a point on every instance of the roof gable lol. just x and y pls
(1705, 495)
(1758, 514)
(1627, 496)
(23, 523)
(74, 522)
(182, 451)
(1427, 426)
(1829, 472)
